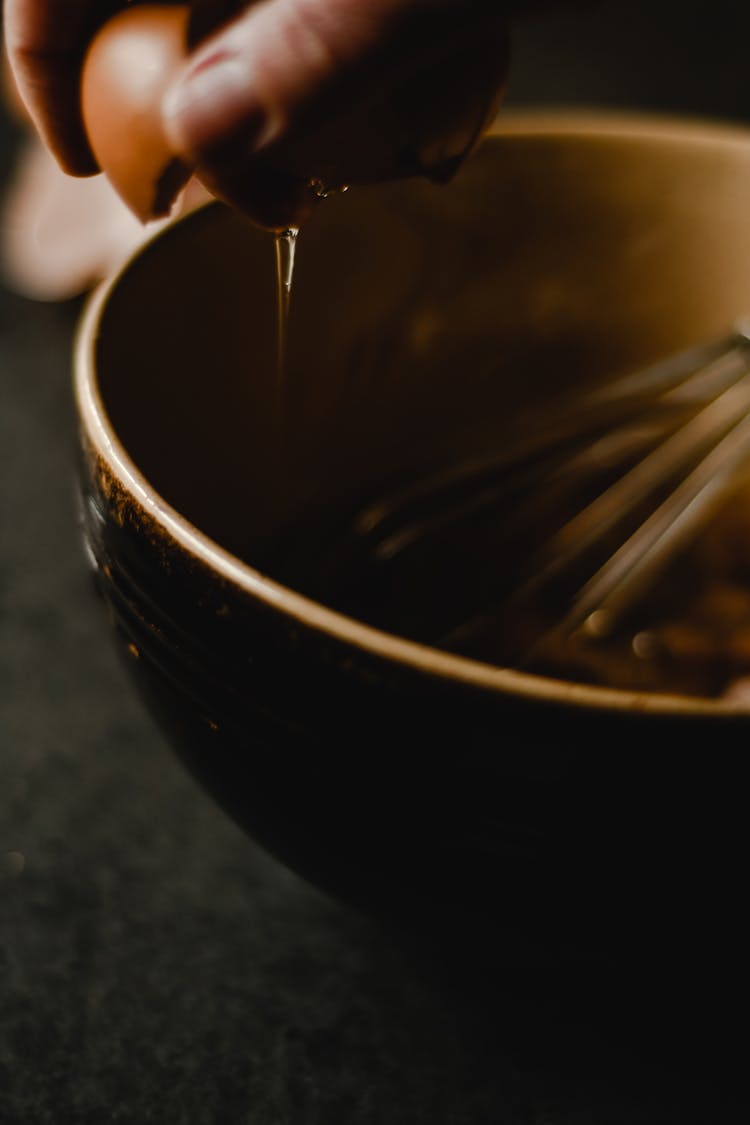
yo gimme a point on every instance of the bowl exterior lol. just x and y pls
(408, 792)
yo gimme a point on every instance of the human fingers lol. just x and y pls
(45, 41)
(334, 92)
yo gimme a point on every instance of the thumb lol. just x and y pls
(338, 91)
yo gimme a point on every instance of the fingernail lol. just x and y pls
(210, 102)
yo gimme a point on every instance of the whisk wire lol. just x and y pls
(699, 461)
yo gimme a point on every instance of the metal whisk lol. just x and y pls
(671, 441)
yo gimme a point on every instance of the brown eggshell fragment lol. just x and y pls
(128, 66)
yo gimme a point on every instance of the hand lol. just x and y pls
(277, 95)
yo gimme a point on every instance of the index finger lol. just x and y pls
(45, 41)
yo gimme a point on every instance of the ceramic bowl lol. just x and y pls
(425, 322)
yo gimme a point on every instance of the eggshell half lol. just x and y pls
(127, 68)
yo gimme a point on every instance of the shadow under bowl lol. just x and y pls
(425, 322)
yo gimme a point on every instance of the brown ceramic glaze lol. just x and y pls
(424, 320)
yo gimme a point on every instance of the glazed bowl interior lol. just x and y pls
(428, 329)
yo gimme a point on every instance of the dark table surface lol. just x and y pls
(155, 965)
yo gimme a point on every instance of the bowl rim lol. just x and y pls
(600, 124)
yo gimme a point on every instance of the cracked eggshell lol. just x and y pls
(126, 71)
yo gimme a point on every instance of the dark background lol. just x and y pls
(154, 965)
